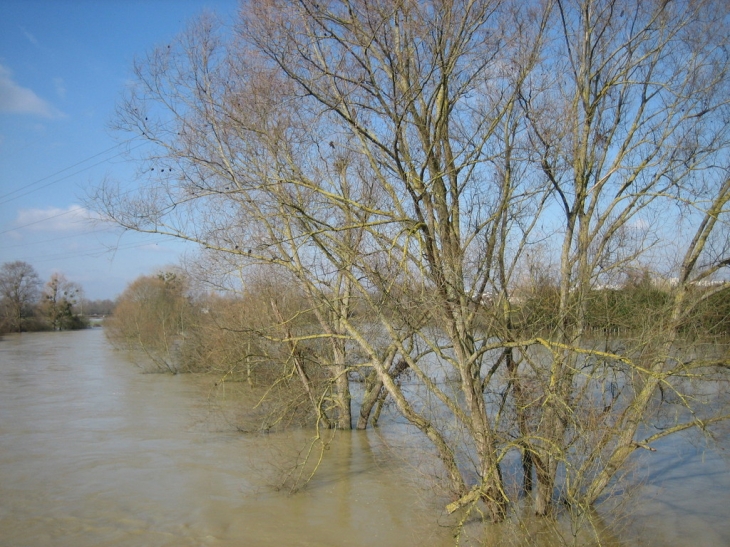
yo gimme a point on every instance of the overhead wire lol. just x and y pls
(51, 240)
(80, 162)
(9, 199)
(95, 253)
(33, 187)
(68, 212)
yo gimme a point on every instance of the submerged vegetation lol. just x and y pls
(264, 341)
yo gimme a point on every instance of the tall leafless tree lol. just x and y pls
(409, 164)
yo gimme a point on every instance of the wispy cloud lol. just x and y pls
(60, 87)
(16, 99)
(32, 39)
(53, 219)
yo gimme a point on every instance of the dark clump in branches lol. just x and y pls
(26, 306)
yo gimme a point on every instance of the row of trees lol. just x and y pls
(27, 304)
(407, 167)
(623, 309)
(237, 335)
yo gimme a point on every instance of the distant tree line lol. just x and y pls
(638, 303)
(26, 304)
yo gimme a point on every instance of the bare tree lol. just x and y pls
(19, 290)
(58, 302)
(409, 164)
(151, 317)
(226, 146)
(625, 118)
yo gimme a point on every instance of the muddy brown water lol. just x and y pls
(94, 452)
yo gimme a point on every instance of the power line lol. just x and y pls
(9, 199)
(96, 253)
(62, 170)
(90, 232)
(3, 196)
(39, 221)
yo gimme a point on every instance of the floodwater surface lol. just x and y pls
(95, 452)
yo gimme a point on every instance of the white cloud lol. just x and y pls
(53, 219)
(16, 99)
(155, 248)
(639, 224)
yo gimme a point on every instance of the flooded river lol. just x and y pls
(94, 452)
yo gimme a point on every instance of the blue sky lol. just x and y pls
(63, 66)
